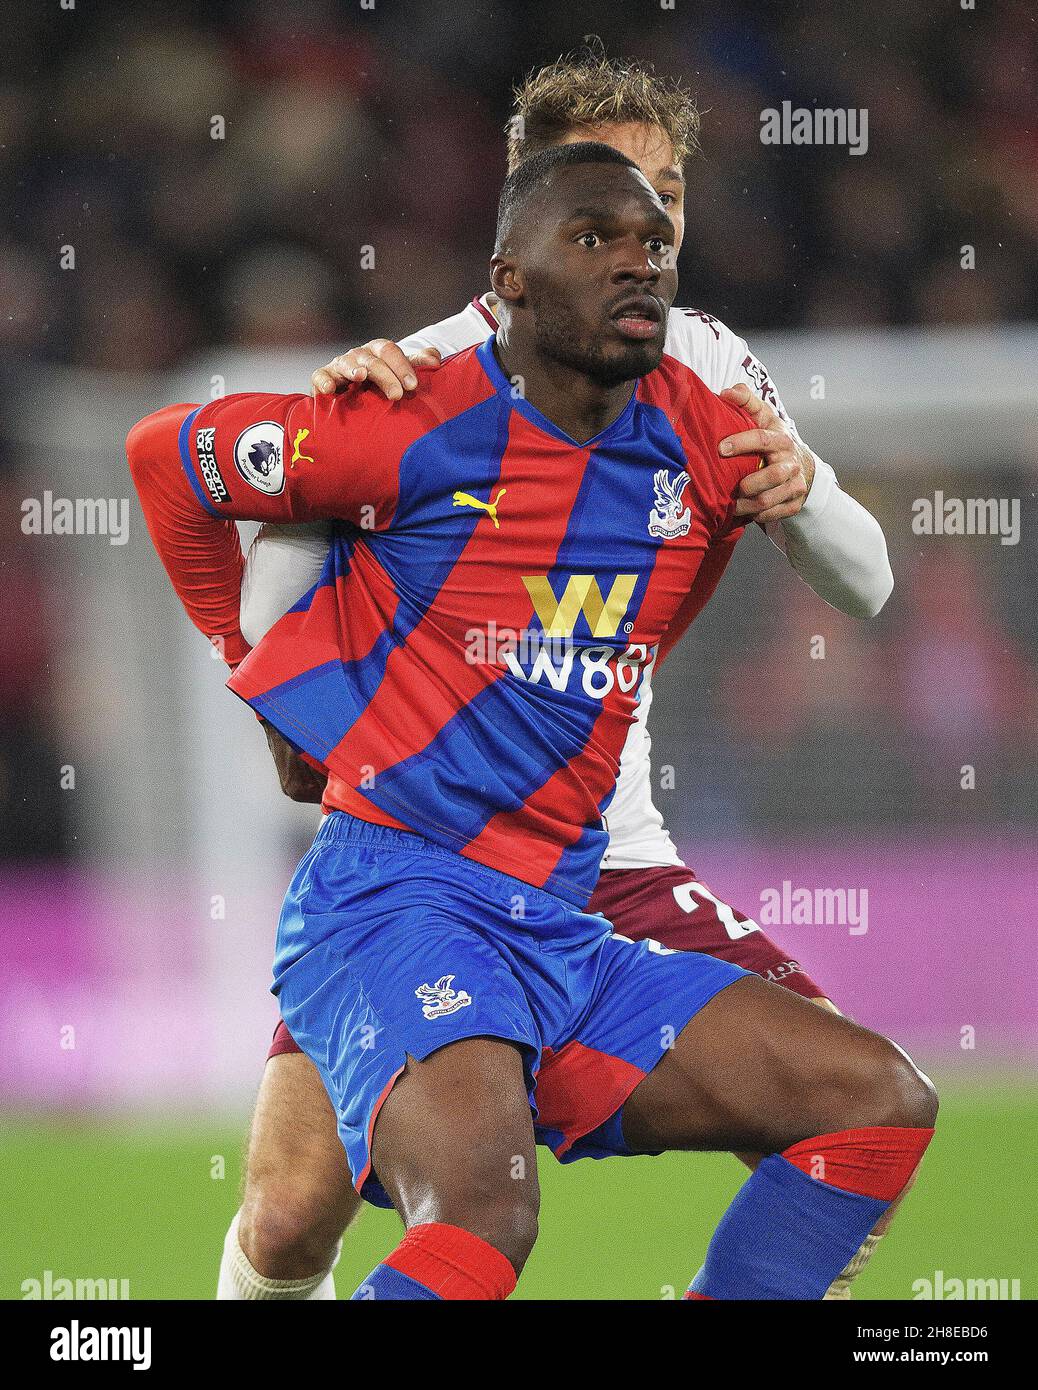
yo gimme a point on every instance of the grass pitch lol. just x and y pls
(90, 1199)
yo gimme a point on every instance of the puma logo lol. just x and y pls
(465, 499)
(297, 457)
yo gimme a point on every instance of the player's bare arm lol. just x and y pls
(299, 781)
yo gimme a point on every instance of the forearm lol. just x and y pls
(837, 547)
(200, 552)
(283, 563)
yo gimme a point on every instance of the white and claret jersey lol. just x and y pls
(834, 544)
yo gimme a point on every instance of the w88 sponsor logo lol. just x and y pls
(598, 670)
(552, 654)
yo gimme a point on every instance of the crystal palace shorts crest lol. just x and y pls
(390, 946)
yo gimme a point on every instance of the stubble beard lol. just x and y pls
(557, 341)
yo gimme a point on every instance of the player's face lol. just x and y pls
(653, 152)
(599, 274)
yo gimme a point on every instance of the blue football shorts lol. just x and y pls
(392, 947)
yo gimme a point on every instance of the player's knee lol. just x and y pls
(908, 1097)
(880, 1086)
(509, 1222)
(501, 1209)
(287, 1233)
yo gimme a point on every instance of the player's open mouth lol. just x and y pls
(638, 317)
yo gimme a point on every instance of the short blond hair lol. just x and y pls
(589, 89)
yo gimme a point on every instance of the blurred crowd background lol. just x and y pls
(389, 123)
(346, 127)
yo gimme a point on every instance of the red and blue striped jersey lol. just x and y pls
(469, 662)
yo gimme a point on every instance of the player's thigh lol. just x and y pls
(295, 1156)
(759, 1068)
(454, 1139)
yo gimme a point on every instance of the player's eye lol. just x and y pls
(667, 199)
(656, 245)
(590, 240)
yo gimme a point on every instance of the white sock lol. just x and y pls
(239, 1281)
(840, 1288)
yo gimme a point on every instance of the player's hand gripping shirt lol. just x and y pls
(468, 665)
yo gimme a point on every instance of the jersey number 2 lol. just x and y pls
(685, 896)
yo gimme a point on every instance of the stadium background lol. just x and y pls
(138, 903)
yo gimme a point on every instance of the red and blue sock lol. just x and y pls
(437, 1261)
(803, 1214)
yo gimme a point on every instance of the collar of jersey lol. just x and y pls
(503, 386)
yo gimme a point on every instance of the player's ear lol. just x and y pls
(506, 279)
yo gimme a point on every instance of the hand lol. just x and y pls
(381, 362)
(298, 779)
(779, 488)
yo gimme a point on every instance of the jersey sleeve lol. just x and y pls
(201, 554)
(833, 543)
(286, 560)
(265, 458)
(732, 419)
(297, 458)
(741, 368)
